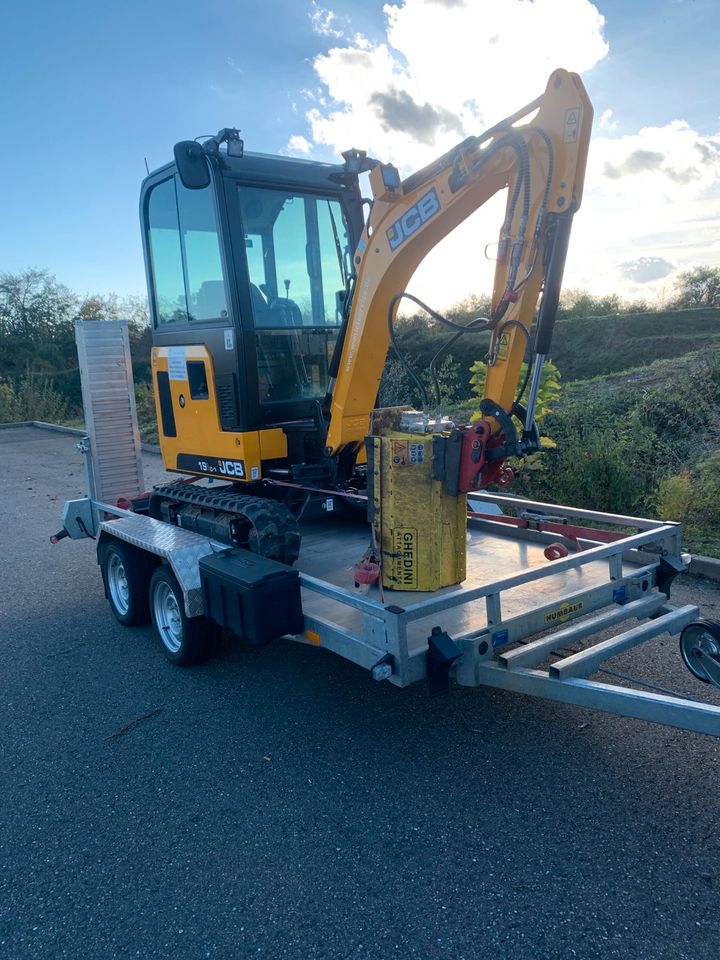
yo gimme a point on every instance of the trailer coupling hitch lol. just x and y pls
(441, 655)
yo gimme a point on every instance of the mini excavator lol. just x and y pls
(274, 288)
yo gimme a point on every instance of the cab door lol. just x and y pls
(297, 252)
(190, 287)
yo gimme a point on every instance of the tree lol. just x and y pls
(110, 306)
(699, 287)
(37, 336)
(576, 302)
(35, 307)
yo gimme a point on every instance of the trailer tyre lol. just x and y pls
(185, 640)
(126, 573)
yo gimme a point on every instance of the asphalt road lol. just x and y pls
(280, 804)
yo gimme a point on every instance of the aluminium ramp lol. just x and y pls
(114, 464)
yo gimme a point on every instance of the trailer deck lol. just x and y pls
(330, 550)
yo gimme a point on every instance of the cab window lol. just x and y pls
(298, 257)
(188, 278)
(298, 260)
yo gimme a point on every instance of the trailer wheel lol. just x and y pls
(185, 640)
(125, 574)
(700, 637)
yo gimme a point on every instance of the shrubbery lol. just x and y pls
(145, 407)
(33, 399)
(644, 452)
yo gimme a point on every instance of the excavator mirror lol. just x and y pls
(192, 165)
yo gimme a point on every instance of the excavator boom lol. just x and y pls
(541, 162)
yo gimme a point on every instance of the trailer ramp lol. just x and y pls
(114, 465)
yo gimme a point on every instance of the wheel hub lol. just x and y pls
(168, 617)
(118, 584)
(700, 649)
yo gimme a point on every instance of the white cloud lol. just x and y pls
(325, 22)
(606, 121)
(446, 70)
(449, 68)
(298, 144)
(665, 163)
(654, 194)
(646, 269)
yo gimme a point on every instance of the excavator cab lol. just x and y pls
(249, 278)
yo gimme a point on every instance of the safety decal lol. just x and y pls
(417, 453)
(502, 353)
(572, 122)
(400, 453)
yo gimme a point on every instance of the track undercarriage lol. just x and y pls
(265, 526)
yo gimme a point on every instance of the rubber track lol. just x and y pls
(274, 531)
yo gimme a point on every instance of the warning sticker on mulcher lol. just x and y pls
(234, 469)
(405, 551)
(400, 452)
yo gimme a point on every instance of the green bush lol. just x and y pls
(145, 406)
(674, 496)
(606, 456)
(548, 393)
(34, 399)
(613, 470)
(9, 404)
(702, 524)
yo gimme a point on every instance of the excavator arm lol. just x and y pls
(541, 162)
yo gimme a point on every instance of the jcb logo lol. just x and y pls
(231, 468)
(413, 219)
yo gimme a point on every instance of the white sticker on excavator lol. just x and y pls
(177, 368)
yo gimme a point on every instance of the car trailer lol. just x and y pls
(519, 622)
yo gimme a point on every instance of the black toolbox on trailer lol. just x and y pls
(256, 598)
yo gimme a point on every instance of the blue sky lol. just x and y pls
(90, 90)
